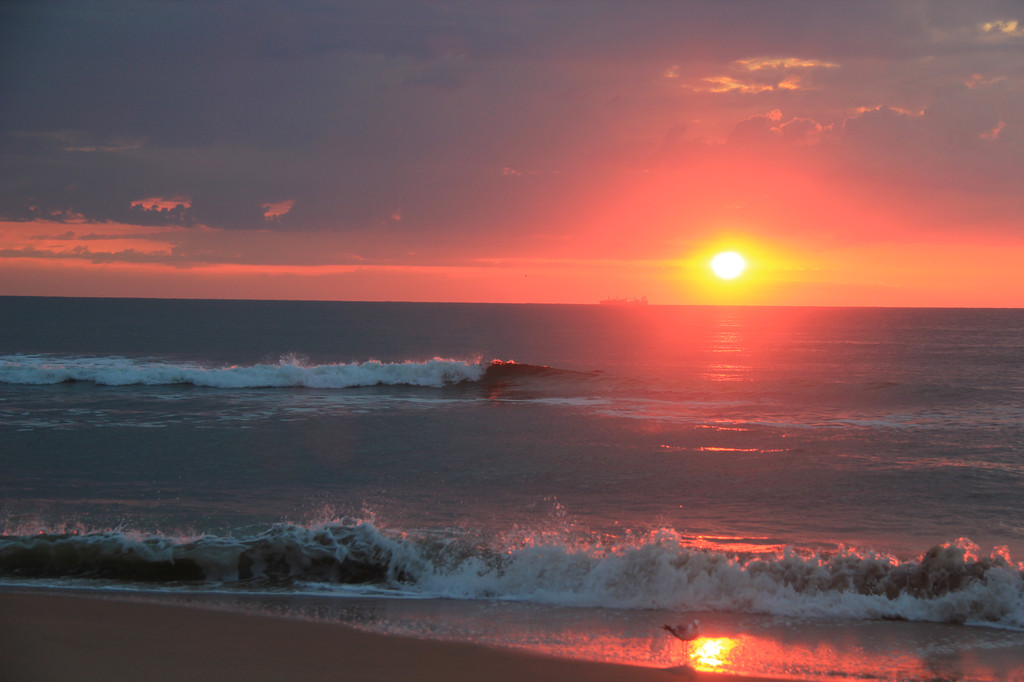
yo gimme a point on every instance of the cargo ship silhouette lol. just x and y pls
(625, 301)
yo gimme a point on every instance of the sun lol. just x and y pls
(728, 265)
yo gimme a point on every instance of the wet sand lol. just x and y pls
(58, 637)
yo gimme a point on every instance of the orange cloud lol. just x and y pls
(272, 211)
(1003, 28)
(757, 75)
(730, 84)
(161, 203)
(49, 240)
(761, 63)
(994, 133)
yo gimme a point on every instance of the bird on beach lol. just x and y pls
(685, 631)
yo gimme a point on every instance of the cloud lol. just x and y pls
(274, 210)
(1003, 28)
(803, 131)
(962, 114)
(161, 203)
(96, 257)
(478, 124)
(755, 75)
(730, 84)
(784, 63)
(884, 128)
(770, 128)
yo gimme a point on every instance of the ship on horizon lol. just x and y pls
(625, 301)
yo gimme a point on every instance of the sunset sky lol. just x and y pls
(855, 153)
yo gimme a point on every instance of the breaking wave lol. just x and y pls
(289, 371)
(948, 583)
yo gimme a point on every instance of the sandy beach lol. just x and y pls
(58, 637)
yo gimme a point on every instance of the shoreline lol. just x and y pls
(59, 636)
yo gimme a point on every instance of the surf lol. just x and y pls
(288, 372)
(661, 569)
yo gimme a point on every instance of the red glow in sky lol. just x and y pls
(853, 153)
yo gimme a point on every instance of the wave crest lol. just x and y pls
(289, 371)
(948, 583)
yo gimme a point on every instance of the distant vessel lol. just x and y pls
(625, 301)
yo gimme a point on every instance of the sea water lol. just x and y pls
(831, 491)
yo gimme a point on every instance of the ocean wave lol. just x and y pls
(948, 583)
(289, 371)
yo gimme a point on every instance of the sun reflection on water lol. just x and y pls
(729, 645)
(710, 653)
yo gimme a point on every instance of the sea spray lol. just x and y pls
(948, 583)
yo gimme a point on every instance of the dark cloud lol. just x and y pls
(358, 112)
(82, 253)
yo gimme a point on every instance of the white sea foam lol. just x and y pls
(949, 583)
(288, 372)
(658, 572)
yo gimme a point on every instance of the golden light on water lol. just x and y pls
(709, 653)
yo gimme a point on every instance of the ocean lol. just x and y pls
(832, 492)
